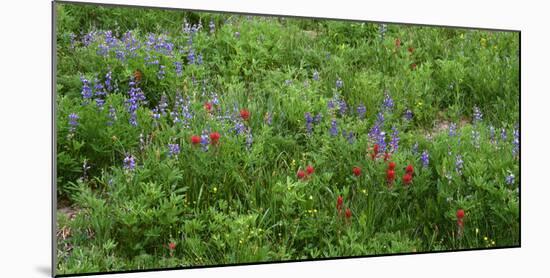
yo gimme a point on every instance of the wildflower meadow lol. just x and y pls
(201, 138)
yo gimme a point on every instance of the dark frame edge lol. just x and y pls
(54, 140)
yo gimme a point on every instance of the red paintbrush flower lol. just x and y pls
(348, 213)
(245, 114)
(301, 174)
(208, 106)
(411, 49)
(413, 66)
(214, 137)
(310, 170)
(390, 175)
(391, 166)
(339, 203)
(409, 169)
(375, 148)
(460, 214)
(357, 171)
(460, 218)
(172, 245)
(397, 42)
(387, 156)
(195, 139)
(407, 179)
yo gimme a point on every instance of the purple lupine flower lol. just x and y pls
(381, 141)
(425, 157)
(333, 127)
(186, 112)
(330, 104)
(415, 148)
(199, 59)
(136, 96)
(452, 130)
(316, 75)
(214, 99)
(102, 50)
(375, 131)
(205, 140)
(131, 43)
(99, 89)
(129, 162)
(88, 38)
(186, 27)
(475, 138)
(492, 134)
(173, 149)
(515, 149)
(388, 102)
(161, 72)
(339, 83)
(120, 55)
(361, 111)
(309, 122)
(239, 127)
(394, 143)
(408, 115)
(477, 115)
(86, 89)
(503, 135)
(249, 139)
(510, 179)
(99, 93)
(350, 137)
(212, 26)
(343, 107)
(459, 163)
(163, 104)
(155, 113)
(191, 56)
(100, 103)
(73, 122)
(318, 118)
(382, 30)
(179, 68)
(108, 81)
(112, 115)
(110, 40)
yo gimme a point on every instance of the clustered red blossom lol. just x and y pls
(245, 114)
(460, 221)
(195, 139)
(340, 206)
(460, 217)
(208, 106)
(214, 137)
(304, 175)
(357, 171)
